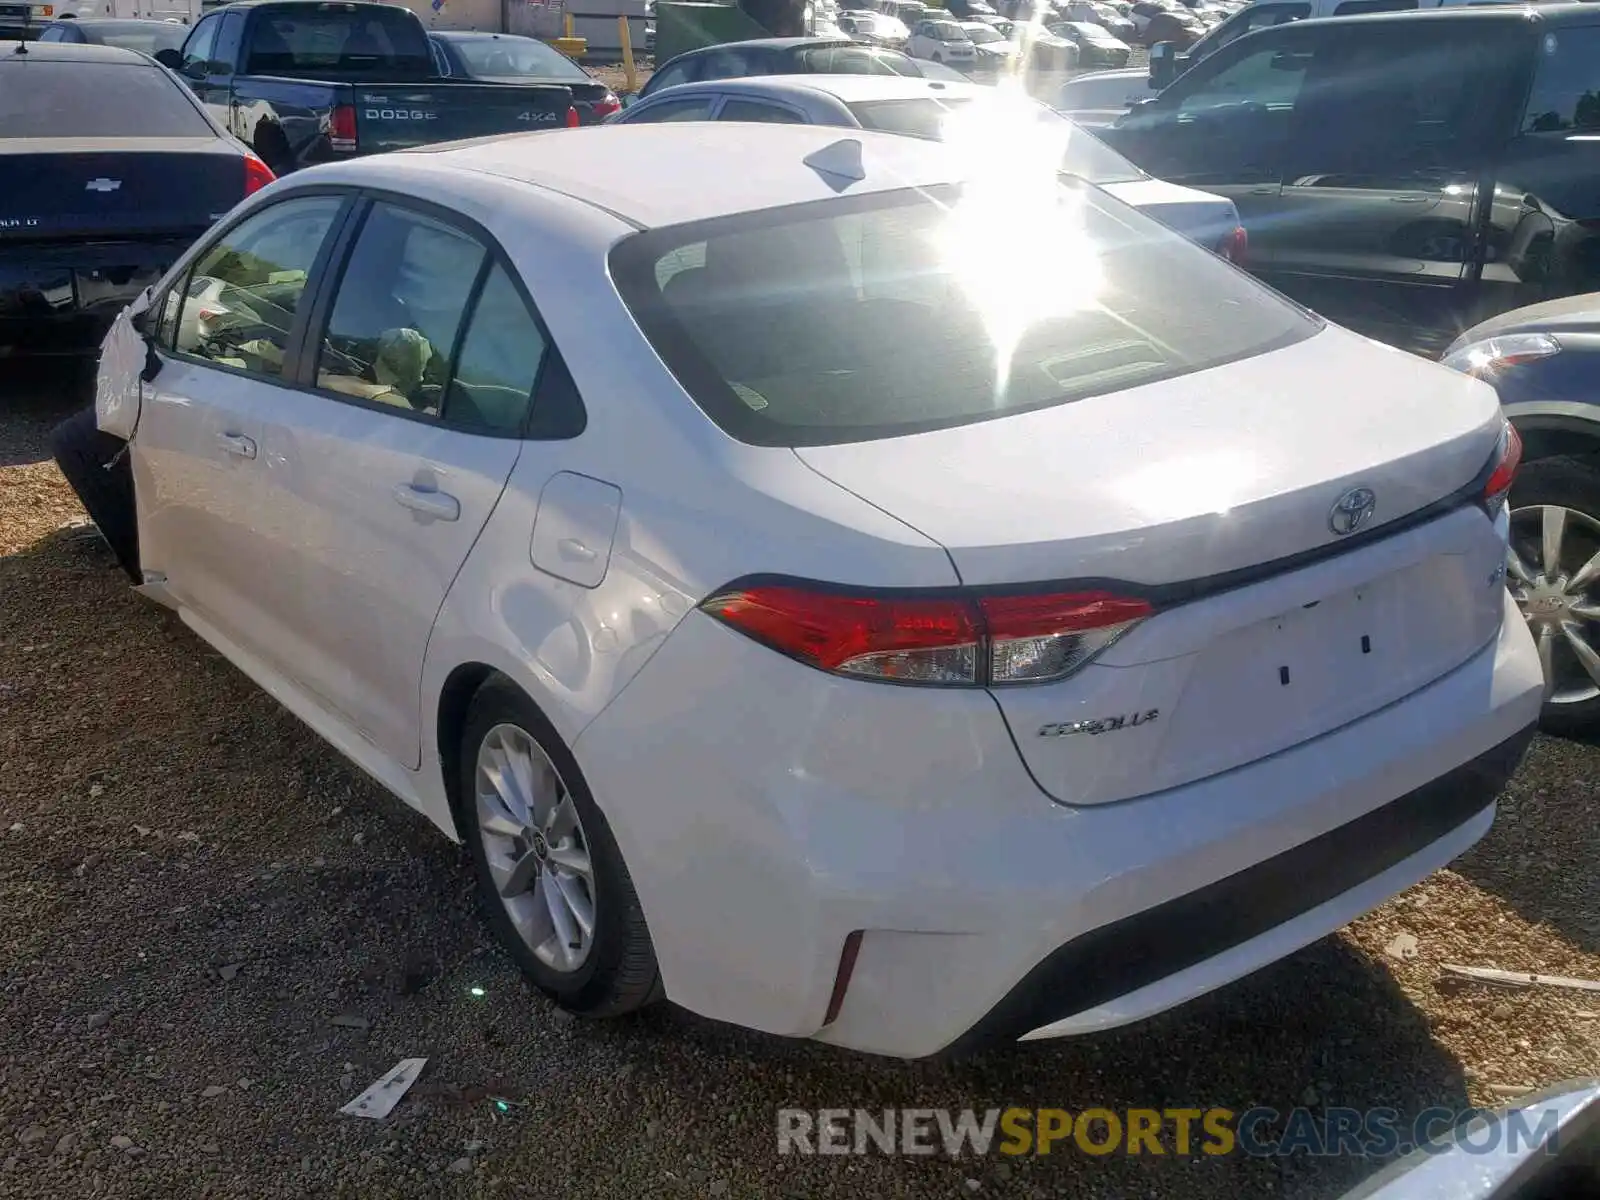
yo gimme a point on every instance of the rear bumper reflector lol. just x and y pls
(841, 980)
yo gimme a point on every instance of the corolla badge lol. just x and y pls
(1352, 511)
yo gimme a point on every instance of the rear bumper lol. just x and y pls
(1125, 970)
(761, 836)
(61, 299)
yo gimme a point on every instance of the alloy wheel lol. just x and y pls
(535, 848)
(1553, 571)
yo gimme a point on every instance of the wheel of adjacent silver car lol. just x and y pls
(549, 871)
(1553, 571)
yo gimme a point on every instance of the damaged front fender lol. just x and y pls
(127, 362)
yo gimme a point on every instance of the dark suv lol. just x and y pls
(1407, 174)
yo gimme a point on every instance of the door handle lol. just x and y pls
(1409, 199)
(1265, 190)
(441, 506)
(237, 445)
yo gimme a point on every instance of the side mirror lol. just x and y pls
(170, 59)
(629, 100)
(1163, 64)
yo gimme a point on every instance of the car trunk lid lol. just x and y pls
(1214, 496)
(1199, 216)
(593, 99)
(93, 188)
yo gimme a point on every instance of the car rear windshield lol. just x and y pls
(95, 100)
(516, 56)
(344, 39)
(855, 60)
(856, 318)
(1085, 156)
(146, 37)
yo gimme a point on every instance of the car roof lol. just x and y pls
(476, 35)
(785, 43)
(848, 89)
(71, 52)
(1564, 13)
(652, 175)
(119, 23)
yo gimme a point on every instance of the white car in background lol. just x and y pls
(941, 42)
(937, 110)
(816, 607)
(875, 29)
(993, 51)
(1097, 99)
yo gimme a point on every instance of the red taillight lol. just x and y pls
(256, 174)
(958, 639)
(605, 106)
(342, 128)
(1504, 474)
(572, 117)
(1236, 246)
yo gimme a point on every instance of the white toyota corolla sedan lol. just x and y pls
(811, 608)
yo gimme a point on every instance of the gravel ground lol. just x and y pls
(213, 933)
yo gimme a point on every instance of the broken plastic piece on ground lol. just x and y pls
(379, 1099)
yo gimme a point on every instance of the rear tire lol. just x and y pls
(1566, 492)
(83, 452)
(545, 857)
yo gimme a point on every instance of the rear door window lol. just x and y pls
(1404, 103)
(398, 310)
(1565, 97)
(690, 108)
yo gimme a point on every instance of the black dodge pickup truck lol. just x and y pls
(303, 82)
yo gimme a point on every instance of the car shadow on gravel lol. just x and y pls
(1327, 1027)
(1543, 855)
(34, 396)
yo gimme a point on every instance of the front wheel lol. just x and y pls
(1553, 571)
(551, 877)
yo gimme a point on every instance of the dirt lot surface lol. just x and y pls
(213, 933)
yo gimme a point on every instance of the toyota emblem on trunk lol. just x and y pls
(1352, 510)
